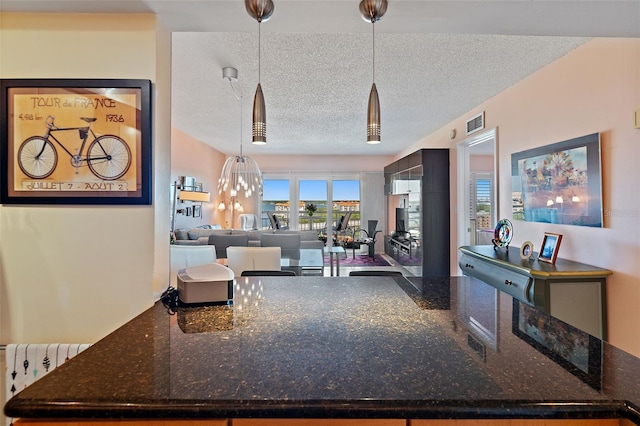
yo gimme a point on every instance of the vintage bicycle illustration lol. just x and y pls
(107, 156)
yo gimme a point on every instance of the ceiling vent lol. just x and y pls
(475, 123)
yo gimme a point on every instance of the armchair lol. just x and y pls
(275, 222)
(369, 237)
(248, 222)
(342, 230)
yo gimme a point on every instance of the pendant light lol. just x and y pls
(372, 11)
(239, 172)
(261, 11)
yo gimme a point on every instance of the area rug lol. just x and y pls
(360, 260)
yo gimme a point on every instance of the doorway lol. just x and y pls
(477, 188)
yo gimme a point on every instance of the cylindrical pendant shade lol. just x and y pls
(259, 129)
(373, 117)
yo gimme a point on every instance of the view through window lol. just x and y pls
(313, 198)
(275, 201)
(312, 212)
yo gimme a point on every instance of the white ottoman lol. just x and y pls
(205, 284)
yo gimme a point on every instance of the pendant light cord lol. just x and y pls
(239, 98)
(259, 52)
(374, 51)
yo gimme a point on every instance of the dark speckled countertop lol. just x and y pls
(343, 347)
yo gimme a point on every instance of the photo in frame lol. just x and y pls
(197, 211)
(549, 248)
(66, 141)
(559, 183)
(574, 350)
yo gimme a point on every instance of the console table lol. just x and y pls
(570, 291)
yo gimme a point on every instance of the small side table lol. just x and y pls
(337, 250)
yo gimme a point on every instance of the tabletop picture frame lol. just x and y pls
(549, 248)
(75, 141)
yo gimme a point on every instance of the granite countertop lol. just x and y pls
(343, 347)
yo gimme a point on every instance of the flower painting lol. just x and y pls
(559, 183)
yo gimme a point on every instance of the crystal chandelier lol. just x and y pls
(239, 173)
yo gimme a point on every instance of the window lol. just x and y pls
(275, 200)
(482, 201)
(287, 197)
(346, 197)
(312, 192)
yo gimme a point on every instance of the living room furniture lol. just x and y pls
(275, 222)
(223, 241)
(289, 244)
(240, 259)
(571, 291)
(268, 273)
(419, 185)
(375, 273)
(311, 261)
(248, 222)
(186, 256)
(337, 251)
(369, 238)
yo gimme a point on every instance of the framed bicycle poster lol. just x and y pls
(67, 141)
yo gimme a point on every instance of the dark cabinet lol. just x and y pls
(418, 186)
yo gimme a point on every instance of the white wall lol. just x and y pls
(75, 273)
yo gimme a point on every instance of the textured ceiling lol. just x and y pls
(434, 61)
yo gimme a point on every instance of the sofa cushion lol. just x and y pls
(181, 234)
(195, 233)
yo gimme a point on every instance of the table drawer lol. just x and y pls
(515, 284)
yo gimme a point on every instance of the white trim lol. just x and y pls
(464, 177)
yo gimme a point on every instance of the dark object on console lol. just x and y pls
(265, 273)
(375, 273)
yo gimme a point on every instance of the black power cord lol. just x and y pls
(169, 299)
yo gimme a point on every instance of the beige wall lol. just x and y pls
(191, 157)
(75, 273)
(594, 88)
